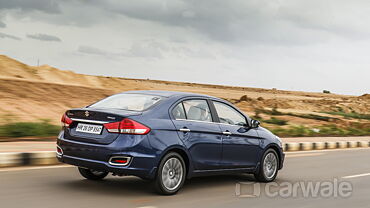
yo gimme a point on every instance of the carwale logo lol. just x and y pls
(306, 189)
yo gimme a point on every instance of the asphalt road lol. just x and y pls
(62, 186)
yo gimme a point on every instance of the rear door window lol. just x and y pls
(178, 112)
(197, 110)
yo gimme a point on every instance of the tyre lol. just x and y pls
(171, 174)
(268, 169)
(92, 174)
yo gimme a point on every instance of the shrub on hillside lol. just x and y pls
(25, 129)
(276, 121)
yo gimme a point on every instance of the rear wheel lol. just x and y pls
(92, 174)
(269, 167)
(171, 174)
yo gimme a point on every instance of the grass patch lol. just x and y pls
(276, 121)
(327, 130)
(25, 129)
(350, 115)
(313, 116)
(294, 131)
(275, 112)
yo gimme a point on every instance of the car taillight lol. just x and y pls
(127, 126)
(112, 127)
(66, 121)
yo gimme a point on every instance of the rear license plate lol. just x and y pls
(89, 128)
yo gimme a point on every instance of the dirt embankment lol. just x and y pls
(29, 101)
(28, 93)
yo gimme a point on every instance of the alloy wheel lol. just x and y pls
(172, 173)
(270, 165)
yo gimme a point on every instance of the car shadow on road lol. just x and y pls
(133, 186)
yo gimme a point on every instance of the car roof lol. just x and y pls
(166, 93)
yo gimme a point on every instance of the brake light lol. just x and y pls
(127, 126)
(112, 127)
(66, 121)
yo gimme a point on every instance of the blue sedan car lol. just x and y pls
(166, 137)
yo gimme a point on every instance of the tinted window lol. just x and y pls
(132, 102)
(229, 115)
(197, 110)
(178, 112)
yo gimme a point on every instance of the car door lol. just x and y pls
(201, 136)
(240, 145)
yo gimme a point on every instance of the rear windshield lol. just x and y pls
(131, 102)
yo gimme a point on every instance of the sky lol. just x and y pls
(298, 45)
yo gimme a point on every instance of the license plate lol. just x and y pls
(89, 128)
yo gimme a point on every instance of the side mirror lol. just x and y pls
(255, 124)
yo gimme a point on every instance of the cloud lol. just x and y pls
(263, 21)
(257, 43)
(146, 49)
(281, 22)
(2, 24)
(48, 6)
(143, 49)
(4, 35)
(92, 50)
(66, 12)
(44, 37)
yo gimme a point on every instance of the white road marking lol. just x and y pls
(356, 176)
(33, 168)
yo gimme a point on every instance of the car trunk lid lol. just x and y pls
(88, 124)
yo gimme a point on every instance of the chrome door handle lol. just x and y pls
(184, 130)
(227, 133)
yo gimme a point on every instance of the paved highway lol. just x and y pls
(61, 186)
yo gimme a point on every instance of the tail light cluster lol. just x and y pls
(127, 126)
(66, 121)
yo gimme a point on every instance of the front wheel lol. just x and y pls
(269, 167)
(171, 174)
(92, 174)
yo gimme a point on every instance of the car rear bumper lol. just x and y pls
(104, 166)
(97, 156)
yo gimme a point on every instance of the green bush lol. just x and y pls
(275, 112)
(327, 130)
(350, 115)
(24, 129)
(313, 116)
(276, 121)
(294, 131)
(257, 113)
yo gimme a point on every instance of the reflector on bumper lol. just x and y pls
(119, 160)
